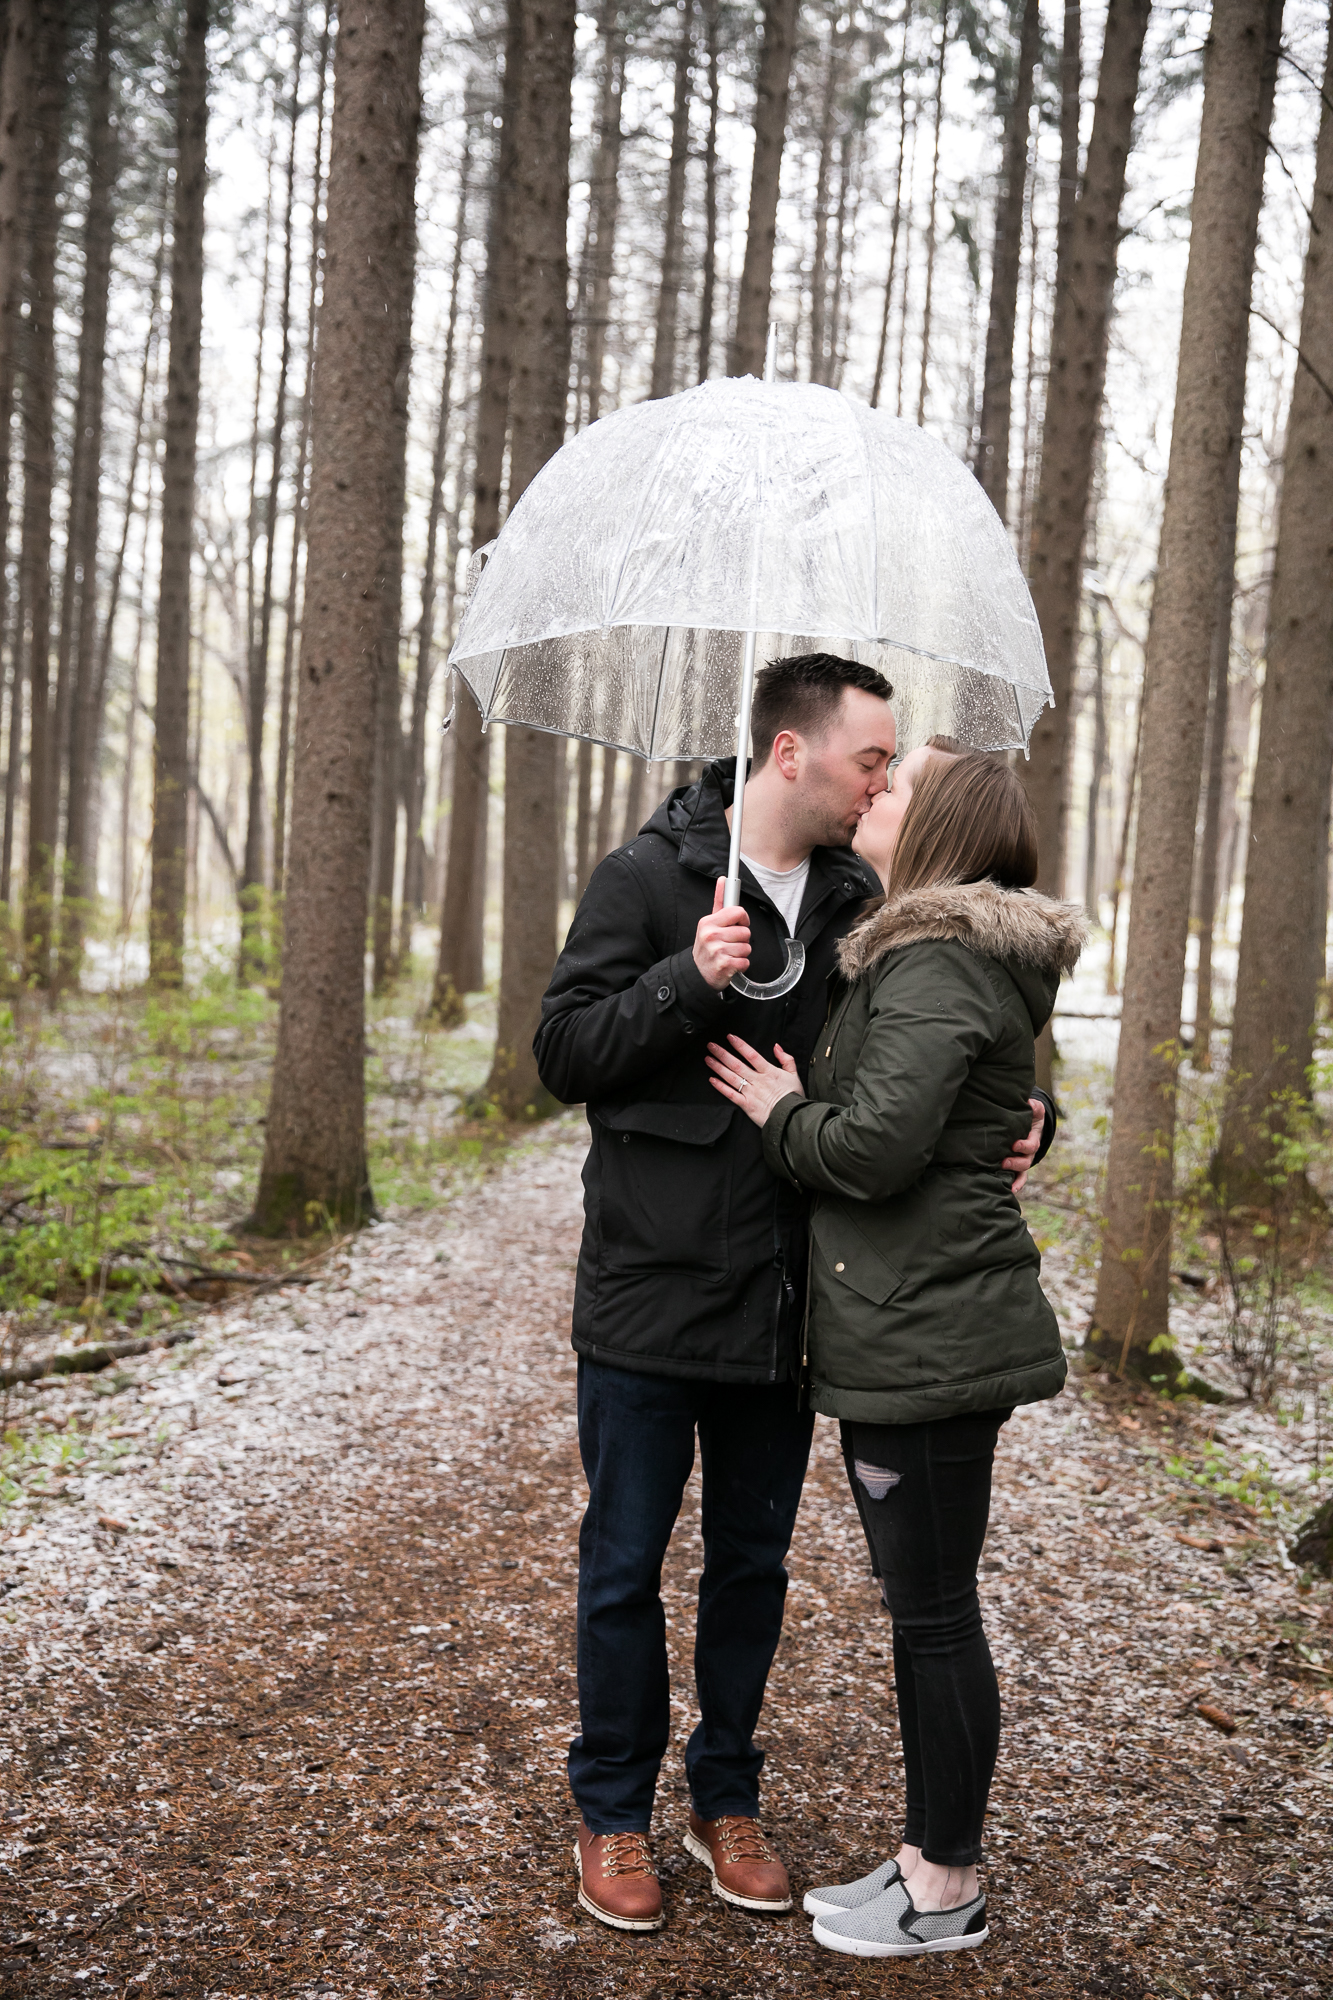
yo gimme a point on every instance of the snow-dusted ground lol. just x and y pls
(287, 1661)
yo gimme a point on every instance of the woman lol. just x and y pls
(926, 1322)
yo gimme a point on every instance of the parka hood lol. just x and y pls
(1017, 926)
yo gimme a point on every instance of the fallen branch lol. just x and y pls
(89, 1360)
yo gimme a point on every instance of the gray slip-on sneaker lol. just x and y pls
(891, 1926)
(836, 1898)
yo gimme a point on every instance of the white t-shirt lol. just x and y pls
(784, 890)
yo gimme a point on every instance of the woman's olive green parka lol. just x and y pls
(925, 1299)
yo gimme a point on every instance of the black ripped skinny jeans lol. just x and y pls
(923, 1494)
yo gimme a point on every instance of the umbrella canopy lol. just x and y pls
(615, 602)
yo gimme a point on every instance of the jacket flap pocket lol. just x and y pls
(853, 1258)
(687, 1124)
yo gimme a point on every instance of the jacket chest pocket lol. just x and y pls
(851, 1259)
(665, 1188)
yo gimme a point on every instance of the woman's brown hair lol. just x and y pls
(968, 820)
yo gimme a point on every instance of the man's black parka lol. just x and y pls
(694, 1254)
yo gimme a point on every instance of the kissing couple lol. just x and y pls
(803, 1207)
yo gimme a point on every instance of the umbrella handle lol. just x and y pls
(773, 989)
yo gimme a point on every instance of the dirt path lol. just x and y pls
(288, 1683)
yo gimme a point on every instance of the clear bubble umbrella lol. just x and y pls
(664, 549)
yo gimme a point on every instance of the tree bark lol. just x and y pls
(998, 380)
(746, 356)
(390, 749)
(604, 838)
(171, 718)
(597, 265)
(1071, 95)
(253, 924)
(634, 791)
(1215, 758)
(414, 867)
(583, 828)
(15, 142)
(1085, 285)
(1133, 1286)
(819, 266)
(1282, 929)
(1090, 856)
(79, 610)
(291, 618)
(49, 95)
(709, 292)
(540, 383)
(315, 1172)
(896, 223)
(663, 379)
(930, 213)
(459, 968)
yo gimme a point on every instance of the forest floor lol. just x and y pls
(286, 1670)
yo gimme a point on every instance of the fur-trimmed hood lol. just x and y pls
(1016, 925)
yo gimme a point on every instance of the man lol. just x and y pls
(691, 1277)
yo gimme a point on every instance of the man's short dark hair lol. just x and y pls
(802, 694)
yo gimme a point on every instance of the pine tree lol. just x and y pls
(1133, 1285)
(746, 353)
(1282, 930)
(540, 379)
(171, 733)
(315, 1171)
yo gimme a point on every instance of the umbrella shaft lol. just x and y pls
(733, 890)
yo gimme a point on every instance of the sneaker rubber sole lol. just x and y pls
(865, 1948)
(699, 1849)
(607, 1916)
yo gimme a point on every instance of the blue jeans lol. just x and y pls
(636, 1437)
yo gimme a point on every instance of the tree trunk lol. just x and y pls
(634, 790)
(1133, 1285)
(1085, 284)
(171, 721)
(1090, 855)
(1282, 930)
(604, 839)
(253, 924)
(15, 143)
(819, 266)
(80, 609)
(930, 213)
(291, 619)
(414, 866)
(1121, 883)
(315, 1173)
(896, 224)
(49, 94)
(460, 968)
(746, 356)
(1071, 93)
(390, 750)
(583, 828)
(603, 214)
(541, 377)
(1215, 757)
(668, 290)
(710, 11)
(998, 381)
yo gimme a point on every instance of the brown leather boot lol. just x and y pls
(746, 1870)
(617, 1881)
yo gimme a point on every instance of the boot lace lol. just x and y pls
(626, 1854)
(742, 1840)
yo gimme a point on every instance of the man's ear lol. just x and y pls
(785, 753)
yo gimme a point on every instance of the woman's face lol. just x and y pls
(877, 835)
